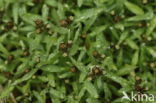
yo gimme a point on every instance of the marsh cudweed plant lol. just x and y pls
(77, 51)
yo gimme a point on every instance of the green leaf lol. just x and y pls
(6, 92)
(91, 89)
(30, 18)
(134, 8)
(45, 12)
(151, 27)
(132, 44)
(79, 2)
(52, 3)
(3, 49)
(53, 68)
(89, 23)
(26, 88)
(15, 12)
(97, 30)
(39, 97)
(2, 79)
(65, 75)
(82, 77)
(79, 65)
(120, 56)
(74, 49)
(25, 77)
(56, 93)
(88, 13)
(82, 54)
(51, 80)
(127, 69)
(2, 4)
(27, 28)
(81, 93)
(146, 16)
(152, 51)
(122, 37)
(123, 82)
(107, 91)
(135, 58)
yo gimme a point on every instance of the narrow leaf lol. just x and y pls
(134, 8)
(91, 89)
